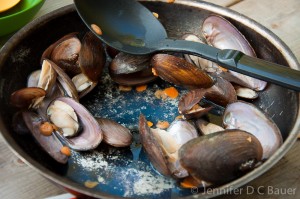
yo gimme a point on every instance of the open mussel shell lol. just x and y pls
(221, 93)
(131, 70)
(180, 72)
(152, 147)
(221, 157)
(188, 104)
(92, 57)
(220, 33)
(114, 133)
(247, 117)
(91, 134)
(65, 53)
(27, 97)
(49, 143)
(65, 82)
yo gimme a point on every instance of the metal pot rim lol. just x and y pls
(72, 186)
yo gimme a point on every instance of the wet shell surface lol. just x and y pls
(131, 70)
(27, 97)
(221, 157)
(180, 72)
(65, 52)
(114, 133)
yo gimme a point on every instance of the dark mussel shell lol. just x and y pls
(92, 57)
(27, 97)
(65, 53)
(180, 72)
(221, 157)
(114, 133)
(152, 147)
(131, 70)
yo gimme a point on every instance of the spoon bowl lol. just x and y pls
(126, 25)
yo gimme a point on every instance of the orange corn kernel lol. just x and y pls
(171, 92)
(97, 29)
(46, 129)
(141, 88)
(65, 150)
(162, 124)
(150, 124)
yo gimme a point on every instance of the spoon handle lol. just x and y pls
(238, 61)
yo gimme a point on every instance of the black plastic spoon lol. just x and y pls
(130, 27)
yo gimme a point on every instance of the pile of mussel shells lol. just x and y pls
(192, 150)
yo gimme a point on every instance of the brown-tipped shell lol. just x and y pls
(131, 70)
(64, 53)
(247, 117)
(180, 72)
(152, 147)
(27, 97)
(92, 57)
(114, 133)
(221, 157)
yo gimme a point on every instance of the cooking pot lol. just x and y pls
(127, 172)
